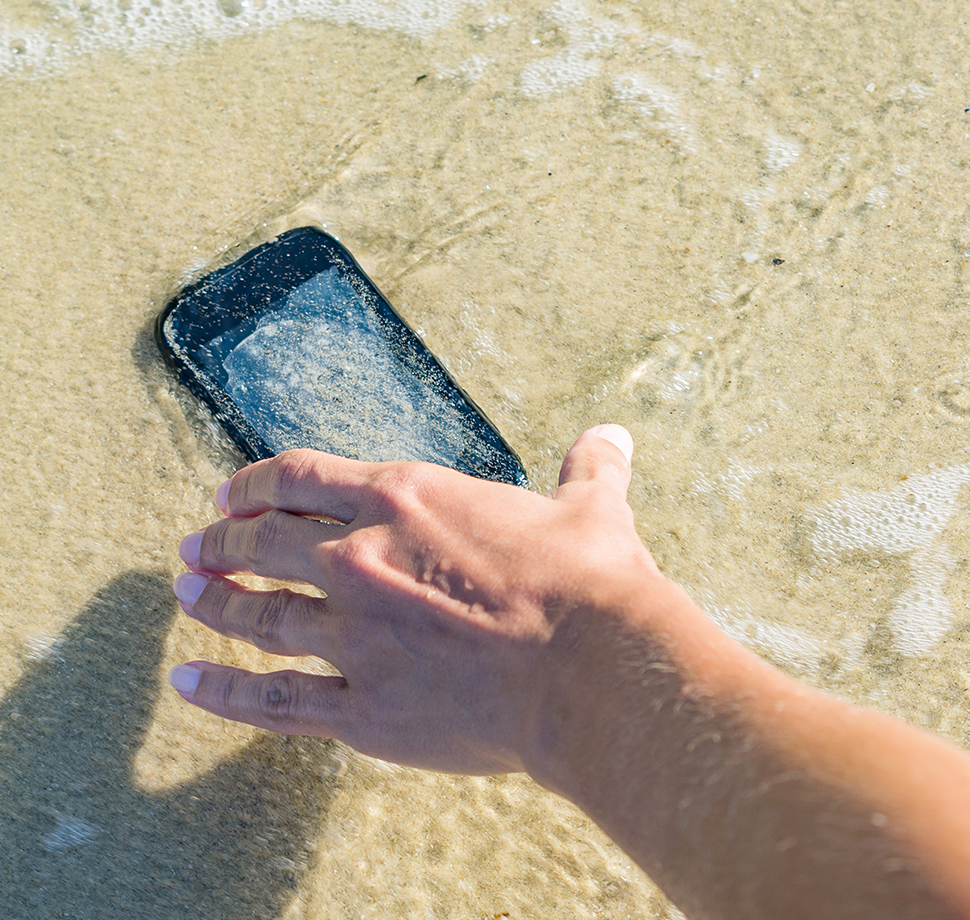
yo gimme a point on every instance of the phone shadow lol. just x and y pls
(78, 839)
(193, 430)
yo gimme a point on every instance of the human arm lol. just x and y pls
(481, 628)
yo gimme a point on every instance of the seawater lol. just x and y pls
(740, 229)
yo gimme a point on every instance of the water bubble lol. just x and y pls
(231, 7)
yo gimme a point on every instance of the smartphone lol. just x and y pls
(292, 345)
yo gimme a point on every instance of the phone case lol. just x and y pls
(230, 301)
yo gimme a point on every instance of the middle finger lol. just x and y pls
(273, 544)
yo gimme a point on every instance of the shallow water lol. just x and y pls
(740, 229)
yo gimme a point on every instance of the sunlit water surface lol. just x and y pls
(740, 229)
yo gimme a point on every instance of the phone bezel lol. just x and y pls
(239, 292)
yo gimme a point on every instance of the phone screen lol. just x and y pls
(316, 371)
(293, 346)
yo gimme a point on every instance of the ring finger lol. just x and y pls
(280, 622)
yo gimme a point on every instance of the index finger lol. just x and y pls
(307, 482)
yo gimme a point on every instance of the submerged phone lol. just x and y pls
(292, 345)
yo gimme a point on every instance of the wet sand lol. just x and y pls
(741, 230)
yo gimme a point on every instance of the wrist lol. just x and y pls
(585, 668)
(628, 678)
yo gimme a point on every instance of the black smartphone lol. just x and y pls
(292, 345)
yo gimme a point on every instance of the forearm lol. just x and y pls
(740, 792)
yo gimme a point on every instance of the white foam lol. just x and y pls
(579, 61)
(878, 195)
(474, 67)
(659, 104)
(785, 645)
(78, 30)
(554, 75)
(911, 93)
(756, 198)
(908, 517)
(922, 614)
(682, 48)
(909, 520)
(781, 152)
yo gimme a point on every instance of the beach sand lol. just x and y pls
(740, 229)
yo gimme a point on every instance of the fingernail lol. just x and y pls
(222, 496)
(619, 437)
(188, 587)
(191, 547)
(184, 678)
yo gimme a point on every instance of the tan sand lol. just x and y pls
(742, 230)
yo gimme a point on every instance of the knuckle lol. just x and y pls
(401, 488)
(290, 472)
(355, 558)
(228, 693)
(217, 609)
(266, 626)
(264, 537)
(215, 542)
(278, 699)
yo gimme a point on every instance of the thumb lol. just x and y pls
(601, 455)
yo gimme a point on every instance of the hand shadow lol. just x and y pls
(78, 840)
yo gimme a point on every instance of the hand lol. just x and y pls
(444, 595)
(480, 628)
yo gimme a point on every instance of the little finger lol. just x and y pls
(289, 702)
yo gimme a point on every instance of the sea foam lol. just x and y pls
(75, 30)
